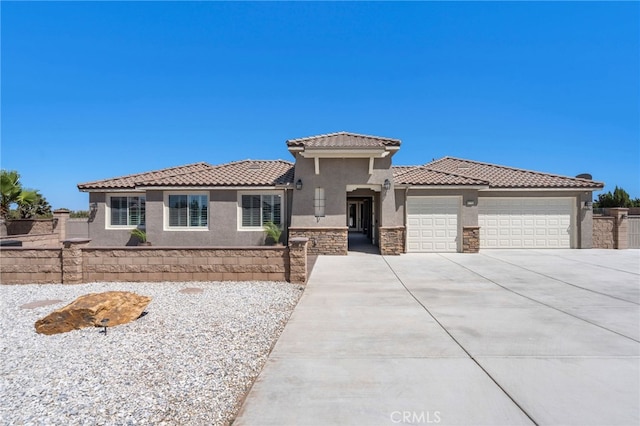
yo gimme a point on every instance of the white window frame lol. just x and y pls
(261, 193)
(166, 209)
(319, 202)
(107, 209)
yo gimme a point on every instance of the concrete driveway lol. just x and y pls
(547, 337)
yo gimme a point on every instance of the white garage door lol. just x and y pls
(432, 224)
(525, 222)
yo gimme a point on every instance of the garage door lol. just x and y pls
(432, 224)
(525, 222)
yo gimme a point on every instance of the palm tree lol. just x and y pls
(13, 193)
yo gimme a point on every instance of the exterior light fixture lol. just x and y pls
(471, 203)
(387, 185)
(588, 204)
(93, 207)
(299, 184)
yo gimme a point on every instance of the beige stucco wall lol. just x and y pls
(222, 229)
(335, 175)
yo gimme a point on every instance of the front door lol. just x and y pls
(355, 216)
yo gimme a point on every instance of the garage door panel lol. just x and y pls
(432, 224)
(525, 222)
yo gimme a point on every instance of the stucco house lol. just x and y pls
(343, 184)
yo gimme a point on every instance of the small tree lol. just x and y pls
(12, 192)
(619, 198)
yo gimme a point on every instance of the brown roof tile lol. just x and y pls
(508, 177)
(343, 140)
(129, 181)
(239, 173)
(424, 176)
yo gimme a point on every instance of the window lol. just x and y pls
(319, 202)
(126, 211)
(188, 211)
(259, 209)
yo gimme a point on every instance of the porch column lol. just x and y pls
(298, 260)
(620, 228)
(72, 260)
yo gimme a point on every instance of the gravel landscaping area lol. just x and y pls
(190, 360)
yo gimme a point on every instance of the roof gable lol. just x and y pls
(509, 177)
(343, 140)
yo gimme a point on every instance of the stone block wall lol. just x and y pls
(327, 241)
(78, 263)
(30, 266)
(391, 240)
(151, 264)
(298, 260)
(38, 232)
(36, 241)
(611, 231)
(471, 239)
(30, 226)
(603, 232)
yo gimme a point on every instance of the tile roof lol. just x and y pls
(423, 175)
(398, 170)
(508, 177)
(343, 140)
(239, 173)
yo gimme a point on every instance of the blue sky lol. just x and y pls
(93, 90)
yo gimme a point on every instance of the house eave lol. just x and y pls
(547, 189)
(143, 189)
(407, 186)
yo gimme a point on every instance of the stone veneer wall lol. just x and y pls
(30, 266)
(323, 240)
(603, 227)
(471, 239)
(30, 226)
(152, 264)
(34, 233)
(78, 263)
(36, 241)
(391, 240)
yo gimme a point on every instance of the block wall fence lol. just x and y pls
(77, 263)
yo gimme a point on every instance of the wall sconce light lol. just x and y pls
(470, 203)
(588, 205)
(93, 208)
(623, 216)
(386, 185)
(299, 184)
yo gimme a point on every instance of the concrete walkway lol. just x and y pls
(499, 338)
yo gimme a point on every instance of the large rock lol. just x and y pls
(119, 307)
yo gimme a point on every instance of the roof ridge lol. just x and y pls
(324, 135)
(231, 163)
(500, 166)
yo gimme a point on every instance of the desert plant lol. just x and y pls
(139, 234)
(273, 231)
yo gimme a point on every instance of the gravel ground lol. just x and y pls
(189, 361)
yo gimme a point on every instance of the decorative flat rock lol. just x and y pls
(90, 310)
